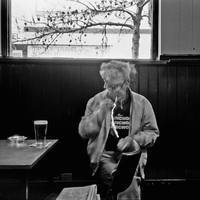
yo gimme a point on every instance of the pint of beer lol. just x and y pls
(40, 128)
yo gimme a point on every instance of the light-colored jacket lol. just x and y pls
(143, 127)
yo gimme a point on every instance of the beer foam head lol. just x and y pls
(39, 122)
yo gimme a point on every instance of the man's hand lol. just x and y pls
(106, 105)
(127, 144)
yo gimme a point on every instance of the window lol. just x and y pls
(84, 29)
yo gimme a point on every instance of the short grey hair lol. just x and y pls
(115, 67)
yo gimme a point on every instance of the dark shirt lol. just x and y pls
(122, 120)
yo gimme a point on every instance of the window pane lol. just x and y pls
(84, 29)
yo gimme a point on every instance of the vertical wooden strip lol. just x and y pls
(86, 86)
(197, 99)
(56, 100)
(192, 88)
(36, 90)
(66, 96)
(192, 113)
(172, 97)
(134, 84)
(66, 120)
(162, 117)
(6, 110)
(143, 81)
(96, 80)
(46, 86)
(75, 92)
(26, 118)
(16, 98)
(182, 94)
(153, 87)
(182, 97)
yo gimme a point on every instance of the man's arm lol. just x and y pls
(149, 131)
(95, 112)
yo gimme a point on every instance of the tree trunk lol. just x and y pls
(136, 41)
(136, 33)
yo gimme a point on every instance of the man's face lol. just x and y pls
(116, 86)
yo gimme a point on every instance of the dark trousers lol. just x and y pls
(107, 167)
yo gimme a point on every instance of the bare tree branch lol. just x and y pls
(106, 13)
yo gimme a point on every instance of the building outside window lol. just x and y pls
(46, 28)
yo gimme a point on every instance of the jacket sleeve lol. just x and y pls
(149, 131)
(89, 125)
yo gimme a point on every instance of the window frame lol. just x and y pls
(5, 25)
(5, 36)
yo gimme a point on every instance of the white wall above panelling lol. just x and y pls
(0, 27)
(179, 27)
(169, 26)
(196, 27)
(185, 26)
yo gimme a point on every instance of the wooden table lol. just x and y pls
(22, 158)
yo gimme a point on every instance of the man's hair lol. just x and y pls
(115, 67)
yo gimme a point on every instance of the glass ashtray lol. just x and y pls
(17, 138)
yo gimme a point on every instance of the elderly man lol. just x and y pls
(118, 120)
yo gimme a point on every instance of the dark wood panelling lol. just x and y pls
(59, 90)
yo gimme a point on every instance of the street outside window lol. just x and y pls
(82, 29)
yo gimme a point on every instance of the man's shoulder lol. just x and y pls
(139, 98)
(98, 97)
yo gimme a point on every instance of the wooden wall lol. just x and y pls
(58, 90)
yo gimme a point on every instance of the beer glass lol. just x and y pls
(40, 129)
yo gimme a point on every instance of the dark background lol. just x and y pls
(58, 90)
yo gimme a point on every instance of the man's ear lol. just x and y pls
(128, 81)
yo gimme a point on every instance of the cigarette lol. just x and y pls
(115, 100)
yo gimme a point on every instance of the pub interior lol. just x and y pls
(58, 89)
